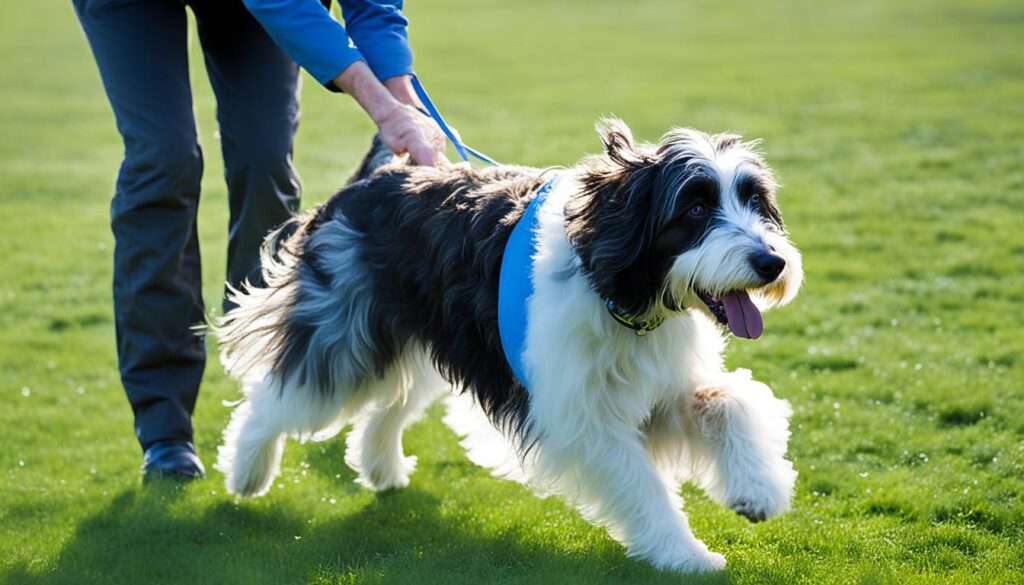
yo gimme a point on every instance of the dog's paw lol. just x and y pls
(682, 556)
(765, 496)
(384, 477)
(752, 511)
(712, 562)
(706, 562)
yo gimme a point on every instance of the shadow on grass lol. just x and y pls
(151, 536)
(328, 459)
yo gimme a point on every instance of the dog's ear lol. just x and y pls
(609, 221)
(617, 140)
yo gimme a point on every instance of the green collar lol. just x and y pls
(641, 328)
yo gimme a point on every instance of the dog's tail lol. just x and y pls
(250, 333)
(378, 156)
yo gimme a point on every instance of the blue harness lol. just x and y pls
(515, 282)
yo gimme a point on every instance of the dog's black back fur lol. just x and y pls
(437, 283)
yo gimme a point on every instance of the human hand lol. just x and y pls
(391, 106)
(405, 129)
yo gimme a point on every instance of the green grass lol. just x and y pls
(897, 129)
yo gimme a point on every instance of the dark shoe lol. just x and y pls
(176, 459)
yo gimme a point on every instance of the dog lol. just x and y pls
(384, 298)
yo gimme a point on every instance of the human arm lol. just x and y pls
(393, 107)
(377, 50)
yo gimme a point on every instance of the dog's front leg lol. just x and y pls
(614, 482)
(738, 433)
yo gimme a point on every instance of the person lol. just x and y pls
(252, 52)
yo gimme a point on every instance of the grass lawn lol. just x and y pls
(897, 129)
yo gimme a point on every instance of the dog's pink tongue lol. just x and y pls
(744, 318)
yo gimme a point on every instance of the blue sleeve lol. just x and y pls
(305, 30)
(379, 30)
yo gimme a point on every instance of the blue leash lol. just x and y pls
(515, 282)
(460, 147)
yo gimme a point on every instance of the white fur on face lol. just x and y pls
(721, 262)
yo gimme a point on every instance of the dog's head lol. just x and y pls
(690, 223)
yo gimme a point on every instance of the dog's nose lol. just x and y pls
(768, 266)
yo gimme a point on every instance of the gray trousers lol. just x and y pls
(140, 47)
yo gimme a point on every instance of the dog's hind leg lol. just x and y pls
(250, 456)
(737, 441)
(374, 446)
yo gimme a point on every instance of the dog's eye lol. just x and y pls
(755, 198)
(696, 211)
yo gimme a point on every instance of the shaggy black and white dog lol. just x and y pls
(385, 297)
